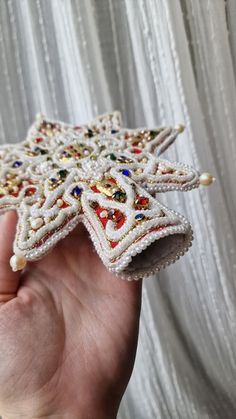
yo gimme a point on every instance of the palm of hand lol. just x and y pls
(68, 339)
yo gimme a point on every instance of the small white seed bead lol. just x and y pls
(103, 214)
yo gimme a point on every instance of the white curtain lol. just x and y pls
(159, 62)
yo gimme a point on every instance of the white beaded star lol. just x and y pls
(103, 176)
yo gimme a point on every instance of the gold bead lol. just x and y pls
(180, 128)
(106, 190)
(206, 179)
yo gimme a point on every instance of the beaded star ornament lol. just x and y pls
(105, 177)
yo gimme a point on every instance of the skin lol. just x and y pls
(68, 332)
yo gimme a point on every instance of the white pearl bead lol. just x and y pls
(39, 116)
(206, 179)
(59, 203)
(36, 223)
(17, 262)
(103, 214)
(180, 128)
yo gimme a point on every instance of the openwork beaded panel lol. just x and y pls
(104, 176)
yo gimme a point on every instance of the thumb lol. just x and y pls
(9, 280)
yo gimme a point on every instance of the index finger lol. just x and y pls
(9, 280)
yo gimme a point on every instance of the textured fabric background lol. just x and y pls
(159, 62)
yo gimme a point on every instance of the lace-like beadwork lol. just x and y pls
(104, 176)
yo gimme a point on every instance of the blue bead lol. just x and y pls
(114, 131)
(76, 191)
(17, 163)
(53, 179)
(126, 172)
(139, 216)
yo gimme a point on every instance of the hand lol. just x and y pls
(68, 332)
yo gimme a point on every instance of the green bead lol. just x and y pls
(153, 134)
(42, 151)
(119, 196)
(112, 156)
(63, 173)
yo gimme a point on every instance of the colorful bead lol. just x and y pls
(63, 173)
(93, 204)
(40, 150)
(53, 179)
(106, 186)
(126, 172)
(153, 134)
(111, 214)
(124, 159)
(76, 191)
(112, 156)
(30, 191)
(136, 151)
(139, 217)
(90, 133)
(17, 163)
(119, 196)
(141, 202)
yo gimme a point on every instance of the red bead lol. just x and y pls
(98, 211)
(136, 151)
(38, 140)
(30, 191)
(113, 244)
(141, 202)
(95, 189)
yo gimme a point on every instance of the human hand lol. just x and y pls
(68, 332)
